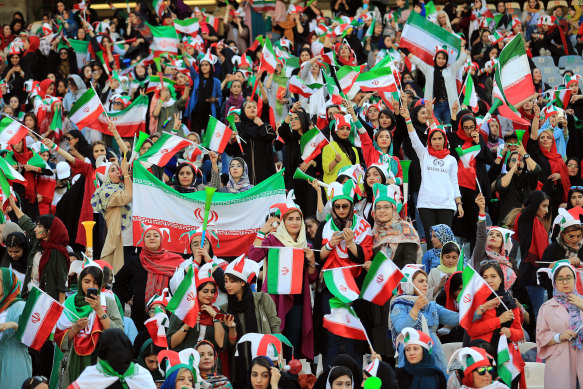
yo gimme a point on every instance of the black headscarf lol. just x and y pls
(575, 180)
(246, 306)
(390, 114)
(176, 181)
(115, 347)
(206, 85)
(82, 146)
(345, 146)
(16, 239)
(347, 361)
(387, 376)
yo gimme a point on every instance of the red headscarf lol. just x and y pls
(23, 158)
(205, 318)
(466, 176)
(58, 240)
(44, 86)
(437, 153)
(351, 60)
(558, 166)
(449, 299)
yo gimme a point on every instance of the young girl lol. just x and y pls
(440, 234)
(438, 276)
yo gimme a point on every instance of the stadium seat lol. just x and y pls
(449, 348)
(513, 7)
(566, 61)
(577, 68)
(492, 7)
(535, 375)
(524, 347)
(554, 79)
(543, 60)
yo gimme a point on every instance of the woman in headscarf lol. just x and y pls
(340, 152)
(311, 73)
(206, 94)
(86, 316)
(15, 75)
(375, 174)
(112, 200)
(438, 276)
(148, 358)
(166, 110)
(420, 370)
(559, 337)
(568, 231)
(15, 362)
(574, 169)
(447, 298)
(440, 235)
(575, 197)
(158, 262)
(238, 177)
(235, 98)
(114, 368)
(208, 364)
(279, 96)
(16, 254)
(477, 370)
(76, 89)
(294, 310)
(380, 150)
(413, 309)
(78, 143)
(49, 239)
(184, 181)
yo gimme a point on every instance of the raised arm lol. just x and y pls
(52, 145)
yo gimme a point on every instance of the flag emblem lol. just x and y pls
(190, 297)
(380, 278)
(467, 298)
(284, 270)
(35, 317)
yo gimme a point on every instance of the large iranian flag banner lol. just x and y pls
(513, 74)
(421, 36)
(128, 121)
(236, 217)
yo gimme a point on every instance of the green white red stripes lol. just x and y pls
(268, 58)
(128, 121)
(474, 293)
(11, 131)
(156, 327)
(164, 149)
(164, 39)
(380, 79)
(470, 96)
(184, 303)
(285, 271)
(296, 85)
(86, 110)
(159, 6)
(342, 321)
(468, 155)
(341, 283)
(311, 144)
(382, 278)
(10, 172)
(421, 36)
(39, 317)
(509, 361)
(155, 83)
(513, 74)
(187, 26)
(216, 136)
(347, 76)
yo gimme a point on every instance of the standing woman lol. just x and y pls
(439, 194)
(15, 362)
(294, 311)
(559, 337)
(206, 94)
(16, 254)
(86, 316)
(381, 150)
(340, 153)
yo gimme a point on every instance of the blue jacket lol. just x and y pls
(430, 261)
(217, 93)
(434, 314)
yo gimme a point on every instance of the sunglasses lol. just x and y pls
(577, 187)
(341, 206)
(482, 370)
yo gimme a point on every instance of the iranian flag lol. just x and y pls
(7, 172)
(579, 281)
(509, 361)
(81, 49)
(263, 5)
(561, 97)
(347, 76)
(311, 144)
(467, 155)
(236, 217)
(164, 40)
(184, 302)
(86, 110)
(296, 85)
(512, 73)
(341, 283)
(164, 149)
(342, 321)
(39, 317)
(285, 270)
(474, 293)
(370, 29)
(470, 96)
(11, 131)
(382, 278)
(377, 80)
(268, 58)
(155, 83)
(421, 36)
(187, 26)
(128, 122)
(216, 136)
(159, 7)
(156, 327)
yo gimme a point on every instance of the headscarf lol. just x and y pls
(425, 373)
(574, 311)
(19, 240)
(451, 285)
(216, 380)
(206, 85)
(149, 344)
(557, 165)
(388, 235)
(285, 238)
(444, 152)
(236, 102)
(176, 180)
(82, 146)
(115, 352)
(58, 240)
(9, 228)
(22, 158)
(160, 265)
(347, 361)
(44, 86)
(444, 234)
(10, 287)
(569, 251)
(102, 195)
(345, 146)
(205, 318)
(441, 267)
(245, 306)
(533, 235)
(243, 184)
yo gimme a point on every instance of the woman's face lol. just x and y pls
(15, 59)
(501, 7)
(344, 52)
(440, 60)
(236, 88)
(576, 199)
(7, 30)
(98, 150)
(207, 357)
(572, 236)
(420, 281)
(543, 209)
(450, 259)
(384, 211)
(493, 53)
(89, 282)
(373, 176)
(435, 241)
(15, 252)
(532, 3)
(236, 169)
(441, 19)
(151, 362)
(494, 130)
(311, 228)
(206, 295)
(572, 165)
(184, 379)
(29, 122)
(565, 281)
(81, 34)
(293, 223)
(384, 138)
(153, 240)
(14, 103)
(414, 353)
(343, 132)
(251, 110)
(341, 208)
(385, 121)
(378, 29)
(437, 141)
(492, 278)
(186, 176)
(205, 67)
(315, 69)
(233, 287)
(342, 382)
(423, 115)
(494, 242)
(18, 147)
(545, 140)
(260, 377)
(304, 56)
(114, 174)
(388, 42)
(373, 113)
(295, 123)
(536, 75)
(62, 88)
(485, 37)
(145, 147)
(481, 381)
(195, 243)
(469, 127)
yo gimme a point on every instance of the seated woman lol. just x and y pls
(294, 310)
(413, 309)
(148, 358)
(477, 370)
(180, 369)
(238, 177)
(208, 366)
(569, 242)
(440, 235)
(264, 375)
(438, 276)
(420, 370)
(559, 337)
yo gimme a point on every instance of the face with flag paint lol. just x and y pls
(207, 357)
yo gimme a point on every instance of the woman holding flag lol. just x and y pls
(340, 152)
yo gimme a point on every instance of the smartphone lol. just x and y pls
(221, 316)
(91, 292)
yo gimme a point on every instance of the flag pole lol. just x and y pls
(464, 85)
(18, 121)
(194, 144)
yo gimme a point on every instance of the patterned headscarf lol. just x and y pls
(444, 234)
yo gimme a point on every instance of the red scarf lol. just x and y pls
(160, 266)
(466, 176)
(58, 240)
(539, 240)
(558, 166)
(205, 318)
(30, 177)
(449, 299)
(440, 154)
